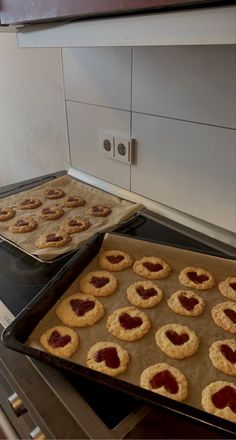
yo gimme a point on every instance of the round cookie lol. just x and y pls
(223, 356)
(98, 211)
(177, 341)
(144, 294)
(108, 358)
(128, 324)
(218, 398)
(51, 213)
(6, 214)
(115, 260)
(153, 268)
(52, 239)
(80, 310)
(73, 202)
(74, 225)
(99, 283)
(166, 380)
(224, 315)
(186, 303)
(22, 225)
(60, 341)
(29, 203)
(228, 288)
(196, 278)
(54, 193)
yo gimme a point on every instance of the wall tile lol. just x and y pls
(189, 167)
(195, 83)
(99, 76)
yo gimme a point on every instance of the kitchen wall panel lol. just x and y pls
(191, 83)
(85, 123)
(100, 76)
(190, 167)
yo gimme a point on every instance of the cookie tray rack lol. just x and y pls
(17, 333)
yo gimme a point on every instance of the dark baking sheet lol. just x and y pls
(20, 329)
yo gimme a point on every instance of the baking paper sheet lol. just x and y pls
(198, 368)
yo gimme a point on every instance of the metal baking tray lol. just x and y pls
(17, 333)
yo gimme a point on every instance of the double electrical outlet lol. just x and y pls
(116, 147)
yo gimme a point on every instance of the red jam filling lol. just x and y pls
(22, 223)
(231, 314)
(110, 356)
(225, 397)
(80, 307)
(153, 267)
(165, 379)
(228, 353)
(193, 276)
(188, 303)
(233, 285)
(114, 259)
(128, 322)
(56, 340)
(146, 293)
(47, 211)
(99, 281)
(3, 212)
(28, 202)
(52, 237)
(177, 339)
(98, 209)
(74, 223)
(52, 192)
(72, 199)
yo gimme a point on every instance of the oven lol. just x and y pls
(40, 401)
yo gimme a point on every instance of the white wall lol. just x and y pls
(33, 133)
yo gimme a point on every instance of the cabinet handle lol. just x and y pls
(17, 405)
(37, 434)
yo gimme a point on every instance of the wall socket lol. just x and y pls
(116, 147)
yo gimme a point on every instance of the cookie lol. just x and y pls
(54, 193)
(23, 224)
(224, 315)
(128, 324)
(153, 268)
(60, 341)
(29, 203)
(99, 211)
(223, 356)
(186, 303)
(144, 294)
(74, 225)
(6, 214)
(80, 310)
(108, 358)
(196, 278)
(99, 283)
(52, 239)
(177, 341)
(115, 260)
(73, 202)
(228, 288)
(51, 213)
(219, 398)
(166, 380)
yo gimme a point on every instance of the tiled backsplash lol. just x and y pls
(178, 103)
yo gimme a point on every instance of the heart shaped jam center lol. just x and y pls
(72, 199)
(152, 266)
(98, 209)
(56, 340)
(233, 285)
(165, 379)
(52, 237)
(228, 353)
(225, 397)
(114, 259)
(47, 211)
(22, 223)
(129, 322)
(3, 212)
(80, 307)
(231, 314)
(146, 293)
(52, 192)
(74, 223)
(110, 356)
(193, 276)
(177, 339)
(27, 202)
(188, 303)
(99, 281)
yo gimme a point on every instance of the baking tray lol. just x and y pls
(18, 332)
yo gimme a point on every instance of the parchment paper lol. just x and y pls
(121, 210)
(198, 368)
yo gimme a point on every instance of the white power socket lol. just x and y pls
(123, 149)
(106, 145)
